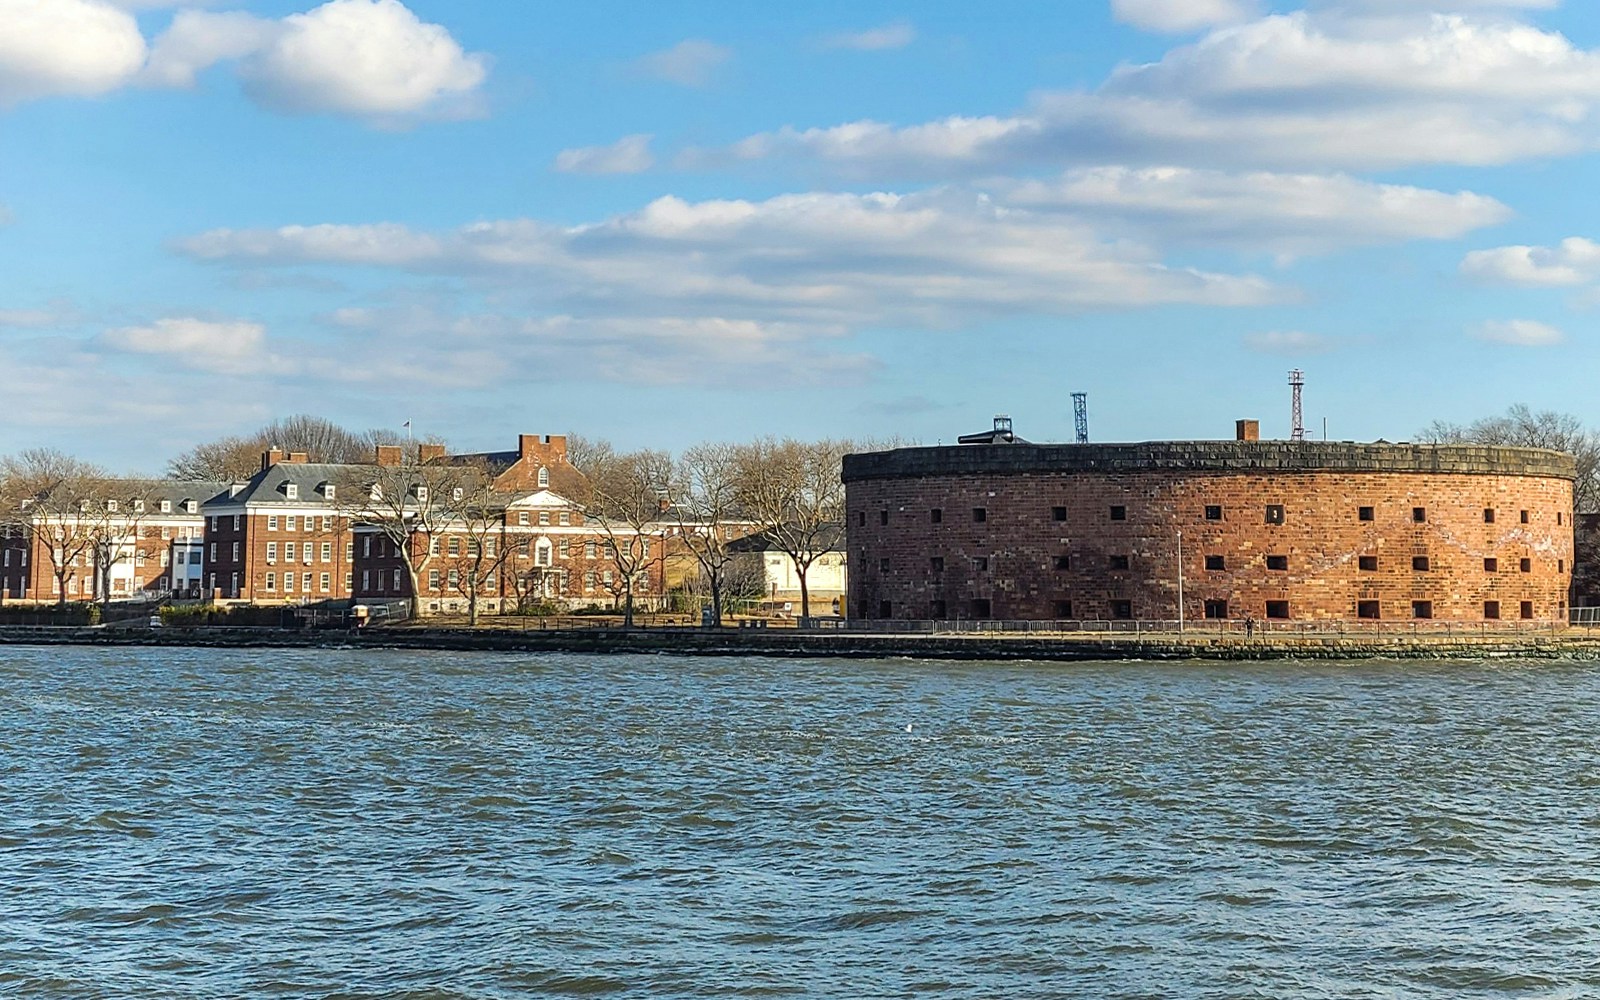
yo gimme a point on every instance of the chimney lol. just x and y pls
(270, 457)
(390, 455)
(527, 445)
(296, 458)
(428, 452)
(1247, 430)
(558, 445)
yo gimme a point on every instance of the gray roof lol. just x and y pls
(267, 486)
(830, 535)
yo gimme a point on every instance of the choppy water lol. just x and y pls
(384, 824)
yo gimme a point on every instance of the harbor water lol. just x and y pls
(367, 823)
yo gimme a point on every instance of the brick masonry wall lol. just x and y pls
(1321, 538)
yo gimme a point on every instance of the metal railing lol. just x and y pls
(1227, 628)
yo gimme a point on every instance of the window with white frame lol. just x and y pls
(270, 581)
(327, 552)
(327, 583)
(272, 552)
(565, 518)
(541, 553)
(291, 491)
(544, 477)
(288, 552)
(272, 522)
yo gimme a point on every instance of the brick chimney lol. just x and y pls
(428, 452)
(270, 457)
(389, 455)
(1247, 430)
(297, 458)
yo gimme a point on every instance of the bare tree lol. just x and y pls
(59, 501)
(238, 456)
(410, 505)
(477, 528)
(794, 491)
(625, 497)
(1521, 427)
(705, 509)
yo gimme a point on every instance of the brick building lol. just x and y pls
(280, 536)
(113, 540)
(1266, 529)
(534, 546)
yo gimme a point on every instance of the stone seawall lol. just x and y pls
(730, 642)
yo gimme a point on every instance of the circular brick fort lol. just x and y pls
(1304, 531)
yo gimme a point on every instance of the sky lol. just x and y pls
(661, 224)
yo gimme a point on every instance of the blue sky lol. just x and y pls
(666, 223)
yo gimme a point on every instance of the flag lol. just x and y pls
(407, 425)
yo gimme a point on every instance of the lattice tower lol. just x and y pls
(1297, 381)
(1080, 415)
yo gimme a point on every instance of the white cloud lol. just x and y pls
(894, 35)
(1289, 342)
(1519, 333)
(197, 40)
(690, 63)
(225, 348)
(1278, 213)
(1575, 262)
(368, 58)
(1182, 16)
(939, 258)
(628, 155)
(1295, 90)
(74, 48)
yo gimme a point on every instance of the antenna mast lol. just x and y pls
(1297, 381)
(1080, 415)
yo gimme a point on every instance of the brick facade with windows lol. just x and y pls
(279, 537)
(1270, 529)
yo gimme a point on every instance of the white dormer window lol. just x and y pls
(166, 506)
(138, 506)
(544, 477)
(457, 493)
(376, 493)
(291, 491)
(421, 493)
(328, 490)
(83, 505)
(111, 505)
(191, 505)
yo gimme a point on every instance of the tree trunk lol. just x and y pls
(805, 593)
(716, 599)
(627, 606)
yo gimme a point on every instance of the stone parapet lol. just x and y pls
(1208, 456)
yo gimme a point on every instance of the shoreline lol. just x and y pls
(736, 642)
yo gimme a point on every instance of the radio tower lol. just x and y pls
(1080, 415)
(1297, 381)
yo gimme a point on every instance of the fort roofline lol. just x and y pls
(1239, 457)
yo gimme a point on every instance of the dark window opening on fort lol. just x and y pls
(1274, 513)
(1488, 515)
(1122, 609)
(1561, 565)
(980, 514)
(1063, 609)
(1119, 513)
(861, 519)
(936, 610)
(1119, 562)
(936, 564)
(1058, 513)
(936, 515)
(1491, 565)
(1368, 564)
(981, 563)
(1278, 562)
(1524, 517)
(1277, 609)
(1367, 609)
(1216, 609)
(1527, 566)
(1422, 609)
(1363, 513)
(1419, 562)
(1213, 512)
(1063, 562)
(1491, 609)
(883, 565)
(883, 517)
(1419, 514)
(979, 607)
(885, 610)
(1558, 517)
(1215, 562)
(1527, 609)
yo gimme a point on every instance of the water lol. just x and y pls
(179, 823)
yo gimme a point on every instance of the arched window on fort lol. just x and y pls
(544, 477)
